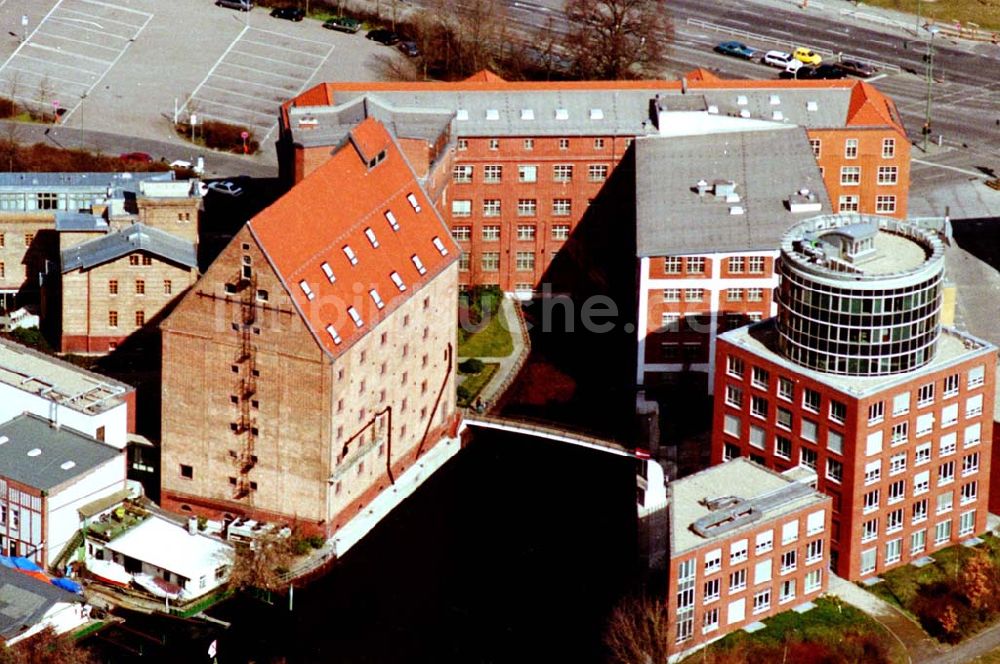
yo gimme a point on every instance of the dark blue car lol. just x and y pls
(738, 49)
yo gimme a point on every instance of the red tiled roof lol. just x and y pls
(870, 107)
(344, 204)
(370, 138)
(701, 74)
(485, 76)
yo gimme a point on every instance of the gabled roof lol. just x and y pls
(485, 76)
(700, 74)
(330, 224)
(870, 107)
(24, 601)
(137, 237)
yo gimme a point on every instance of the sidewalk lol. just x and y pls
(919, 646)
(511, 364)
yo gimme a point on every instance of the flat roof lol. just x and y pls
(59, 381)
(768, 491)
(768, 166)
(953, 347)
(39, 455)
(163, 544)
(893, 253)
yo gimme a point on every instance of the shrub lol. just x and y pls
(220, 136)
(471, 366)
(316, 541)
(464, 395)
(301, 547)
(202, 522)
(30, 336)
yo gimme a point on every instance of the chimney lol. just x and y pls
(192, 525)
(702, 187)
(684, 85)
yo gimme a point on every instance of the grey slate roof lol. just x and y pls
(335, 122)
(137, 237)
(24, 600)
(79, 221)
(768, 166)
(56, 446)
(54, 181)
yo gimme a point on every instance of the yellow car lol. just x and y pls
(807, 56)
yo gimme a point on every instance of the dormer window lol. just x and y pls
(413, 202)
(562, 114)
(775, 100)
(741, 100)
(333, 334)
(391, 218)
(351, 256)
(461, 114)
(597, 114)
(439, 245)
(376, 298)
(398, 280)
(307, 290)
(370, 234)
(419, 264)
(492, 114)
(355, 316)
(527, 114)
(328, 271)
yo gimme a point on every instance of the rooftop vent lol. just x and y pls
(744, 113)
(4, 439)
(733, 198)
(492, 114)
(562, 114)
(775, 100)
(720, 502)
(308, 122)
(723, 188)
(597, 114)
(33, 452)
(804, 201)
(462, 114)
(777, 115)
(66, 465)
(702, 186)
(527, 114)
(735, 210)
(741, 100)
(713, 109)
(812, 106)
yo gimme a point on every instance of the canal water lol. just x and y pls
(516, 551)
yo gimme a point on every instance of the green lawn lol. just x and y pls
(984, 12)
(475, 383)
(992, 657)
(833, 627)
(493, 340)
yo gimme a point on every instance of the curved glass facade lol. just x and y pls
(835, 317)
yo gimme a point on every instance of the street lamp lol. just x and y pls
(930, 80)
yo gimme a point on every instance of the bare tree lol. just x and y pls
(46, 647)
(261, 563)
(638, 631)
(45, 97)
(391, 67)
(618, 39)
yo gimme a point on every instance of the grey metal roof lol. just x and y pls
(24, 600)
(88, 181)
(137, 237)
(809, 107)
(768, 166)
(79, 221)
(333, 123)
(38, 454)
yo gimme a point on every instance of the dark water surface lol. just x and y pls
(513, 552)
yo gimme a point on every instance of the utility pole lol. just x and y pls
(918, 17)
(930, 81)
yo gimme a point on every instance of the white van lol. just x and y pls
(778, 59)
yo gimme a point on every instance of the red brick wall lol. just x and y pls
(869, 158)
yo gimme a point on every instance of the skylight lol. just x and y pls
(376, 298)
(355, 316)
(812, 106)
(66, 465)
(306, 289)
(562, 114)
(741, 100)
(775, 100)
(461, 114)
(351, 256)
(413, 202)
(597, 114)
(370, 234)
(391, 218)
(527, 114)
(439, 245)
(328, 271)
(398, 280)
(333, 334)
(492, 114)
(419, 264)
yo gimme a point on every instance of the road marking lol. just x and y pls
(243, 94)
(110, 6)
(49, 63)
(215, 66)
(875, 78)
(301, 39)
(133, 26)
(966, 171)
(257, 71)
(283, 48)
(49, 76)
(59, 19)
(77, 41)
(79, 20)
(56, 49)
(261, 57)
(261, 85)
(37, 28)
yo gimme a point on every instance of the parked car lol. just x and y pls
(242, 5)
(136, 157)
(778, 59)
(383, 36)
(343, 24)
(289, 13)
(737, 49)
(227, 187)
(409, 48)
(856, 68)
(802, 72)
(807, 56)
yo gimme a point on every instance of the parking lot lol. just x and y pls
(259, 70)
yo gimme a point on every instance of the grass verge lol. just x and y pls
(984, 13)
(475, 383)
(492, 340)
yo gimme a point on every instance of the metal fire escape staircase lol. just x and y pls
(246, 386)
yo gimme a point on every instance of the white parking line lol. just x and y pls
(117, 7)
(271, 46)
(49, 76)
(257, 71)
(261, 57)
(237, 94)
(77, 41)
(37, 28)
(103, 18)
(58, 20)
(260, 85)
(56, 49)
(48, 62)
(214, 67)
(301, 39)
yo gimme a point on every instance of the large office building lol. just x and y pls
(857, 380)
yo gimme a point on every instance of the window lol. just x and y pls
(598, 143)
(816, 145)
(737, 551)
(784, 419)
(492, 173)
(562, 173)
(737, 581)
(783, 448)
(976, 376)
(112, 319)
(463, 261)
(969, 492)
(113, 287)
(671, 294)
(525, 261)
(868, 561)
(561, 207)
(168, 288)
(789, 532)
(869, 530)
(851, 148)
(808, 431)
(527, 173)
(873, 471)
(900, 433)
(966, 523)
(893, 551)
(764, 542)
(888, 148)
(918, 542)
(734, 366)
(140, 287)
(970, 464)
(972, 435)
(187, 472)
(711, 591)
(685, 599)
(460, 233)
(736, 611)
(735, 264)
(731, 425)
(491, 207)
(494, 144)
(762, 572)
(133, 259)
(560, 231)
(848, 204)
(491, 233)
(695, 265)
(672, 265)
(815, 522)
(948, 444)
(950, 386)
(528, 144)
(807, 458)
(897, 463)
(813, 580)
(974, 406)
(710, 621)
(564, 144)
(894, 521)
(949, 415)
(945, 502)
(734, 294)
(871, 501)
(734, 396)
(850, 175)
(921, 482)
(946, 473)
(670, 321)
(762, 601)
(922, 454)
(140, 318)
(810, 400)
(834, 470)
(694, 294)
(461, 208)
(756, 264)
(758, 407)
(942, 532)
(760, 378)
(461, 174)
(835, 442)
(787, 591)
(527, 207)
(888, 174)
(838, 411)
(876, 412)
(814, 551)
(147, 260)
(597, 172)
(919, 511)
(713, 561)
(789, 561)
(490, 261)
(885, 203)
(786, 389)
